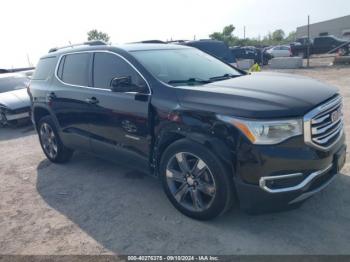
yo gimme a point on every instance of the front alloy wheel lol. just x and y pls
(190, 181)
(195, 180)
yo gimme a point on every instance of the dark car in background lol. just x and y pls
(215, 48)
(212, 134)
(259, 55)
(14, 99)
(320, 45)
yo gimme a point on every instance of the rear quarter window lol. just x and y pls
(45, 68)
(74, 69)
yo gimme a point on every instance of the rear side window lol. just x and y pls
(74, 69)
(45, 68)
(108, 66)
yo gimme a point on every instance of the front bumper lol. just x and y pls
(275, 178)
(12, 115)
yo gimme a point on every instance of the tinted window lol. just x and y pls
(10, 82)
(217, 49)
(108, 66)
(75, 69)
(45, 68)
(171, 65)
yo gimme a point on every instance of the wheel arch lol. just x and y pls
(39, 112)
(214, 144)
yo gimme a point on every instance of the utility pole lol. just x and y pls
(244, 32)
(308, 41)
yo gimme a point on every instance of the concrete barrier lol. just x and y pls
(245, 64)
(341, 60)
(286, 62)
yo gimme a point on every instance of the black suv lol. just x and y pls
(212, 134)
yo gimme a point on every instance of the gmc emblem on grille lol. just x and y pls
(336, 115)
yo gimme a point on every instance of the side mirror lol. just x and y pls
(124, 84)
(121, 84)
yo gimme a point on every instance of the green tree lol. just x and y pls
(275, 38)
(278, 35)
(226, 35)
(97, 35)
(291, 37)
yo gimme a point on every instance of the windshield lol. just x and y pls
(10, 83)
(184, 66)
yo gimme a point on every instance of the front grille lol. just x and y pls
(324, 125)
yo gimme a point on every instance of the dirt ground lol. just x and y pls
(91, 206)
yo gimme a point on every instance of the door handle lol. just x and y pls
(93, 100)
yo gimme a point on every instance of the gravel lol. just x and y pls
(91, 206)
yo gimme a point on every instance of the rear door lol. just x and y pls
(68, 99)
(119, 123)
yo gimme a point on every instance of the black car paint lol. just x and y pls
(260, 56)
(319, 45)
(167, 114)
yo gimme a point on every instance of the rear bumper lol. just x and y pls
(279, 186)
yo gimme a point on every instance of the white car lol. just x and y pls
(14, 99)
(280, 51)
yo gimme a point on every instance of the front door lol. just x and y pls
(119, 125)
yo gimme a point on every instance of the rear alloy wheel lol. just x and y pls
(195, 180)
(51, 143)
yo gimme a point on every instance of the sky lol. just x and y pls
(29, 28)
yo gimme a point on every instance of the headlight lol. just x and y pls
(266, 132)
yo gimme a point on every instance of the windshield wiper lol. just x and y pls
(223, 77)
(191, 80)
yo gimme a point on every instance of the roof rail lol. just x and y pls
(149, 42)
(91, 43)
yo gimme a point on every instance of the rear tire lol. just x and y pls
(195, 181)
(51, 143)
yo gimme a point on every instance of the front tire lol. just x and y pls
(196, 182)
(51, 143)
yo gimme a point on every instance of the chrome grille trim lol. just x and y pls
(319, 128)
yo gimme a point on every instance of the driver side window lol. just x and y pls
(108, 66)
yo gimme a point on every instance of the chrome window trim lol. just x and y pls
(307, 121)
(96, 88)
(307, 180)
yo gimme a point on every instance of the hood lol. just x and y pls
(259, 95)
(15, 99)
